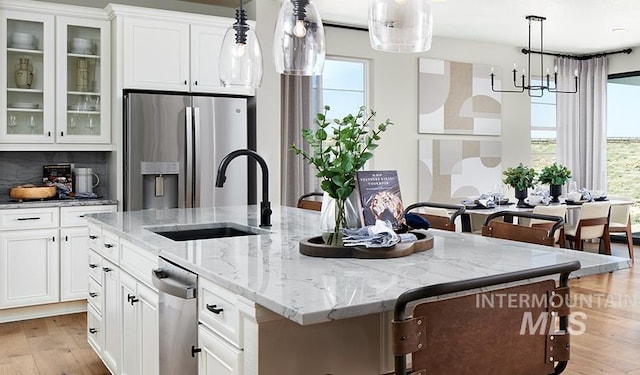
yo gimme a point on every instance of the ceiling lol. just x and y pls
(572, 26)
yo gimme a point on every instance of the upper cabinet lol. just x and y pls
(55, 79)
(174, 51)
(83, 81)
(27, 79)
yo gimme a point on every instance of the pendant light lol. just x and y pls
(240, 62)
(298, 44)
(400, 25)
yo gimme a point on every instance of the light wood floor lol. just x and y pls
(48, 346)
(610, 344)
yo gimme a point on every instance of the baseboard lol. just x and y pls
(41, 311)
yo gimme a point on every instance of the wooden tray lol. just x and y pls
(316, 247)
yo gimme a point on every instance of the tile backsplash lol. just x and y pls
(22, 167)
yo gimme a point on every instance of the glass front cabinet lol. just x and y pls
(55, 84)
(82, 81)
(27, 81)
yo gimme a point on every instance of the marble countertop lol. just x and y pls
(11, 204)
(269, 270)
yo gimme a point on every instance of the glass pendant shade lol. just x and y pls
(240, 64)
(298, 45)
(400, 25)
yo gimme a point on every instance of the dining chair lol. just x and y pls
(620, 221)
(593, 223)
(507, 230)
(476, 334)
(554, 210)
(440, 215)
(310, 201)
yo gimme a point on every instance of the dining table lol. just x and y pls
(482, 211)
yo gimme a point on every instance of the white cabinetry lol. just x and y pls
(29, 260)
(44, 255)
(70, 86)
(166, 50)
(123, 329)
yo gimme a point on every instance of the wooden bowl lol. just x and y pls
(37, 192)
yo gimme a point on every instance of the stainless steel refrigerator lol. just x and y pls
(173, 146)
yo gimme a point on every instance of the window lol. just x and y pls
(543, 129)
(344, 85)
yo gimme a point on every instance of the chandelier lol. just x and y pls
(545, 80)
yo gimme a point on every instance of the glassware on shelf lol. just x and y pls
(12, 121)
(32, 124)
(90, 124)
(72, 122)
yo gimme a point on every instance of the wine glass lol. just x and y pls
(32, 124)
(573, 186)
(12, 122)
(91, 125)
(72, 123)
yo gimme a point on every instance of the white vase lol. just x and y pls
(331, 215)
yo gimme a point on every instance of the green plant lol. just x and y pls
(338, 151)
(555, 174)
(520, 177)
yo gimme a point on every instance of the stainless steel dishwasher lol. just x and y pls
(178, 318)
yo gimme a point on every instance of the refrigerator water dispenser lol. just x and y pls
(159, 184)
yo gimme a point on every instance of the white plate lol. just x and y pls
(24, 105)
(23, 46)
(81, 108)
(82, 51)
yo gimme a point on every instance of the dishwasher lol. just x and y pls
(178, 318)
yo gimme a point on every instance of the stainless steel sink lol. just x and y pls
(190, 232)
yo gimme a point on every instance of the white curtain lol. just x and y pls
(581, 121)
(301, 101)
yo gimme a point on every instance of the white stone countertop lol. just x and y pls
(269, 270)
(12, 204)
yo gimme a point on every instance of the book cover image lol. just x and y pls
(380, 197)
(58, 173)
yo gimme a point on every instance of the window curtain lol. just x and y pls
(301, 101)
(581, 121)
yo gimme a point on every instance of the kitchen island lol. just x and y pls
(332, 313)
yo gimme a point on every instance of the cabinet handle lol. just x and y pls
(91, 265)
(93, 331)
(106, 269)
(27, 218)
(81, 216)
(196, 82)
(93, 295)
(214, 309)
(108, 245)
(66, 238)
(131, 299)
(62, 134)
(195, 351)
(53, 239)
(92, 237)
(185, 81)
(48, 134)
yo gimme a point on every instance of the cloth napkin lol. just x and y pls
(485, 200)
(379, 235)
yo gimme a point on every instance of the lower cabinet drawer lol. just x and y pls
(29, 218)
(218, 310)
(95, 266)
(95, 295)
(95, 329)
(217, 356)
(74, 216)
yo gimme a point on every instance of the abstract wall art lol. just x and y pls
(452, 170)
(456, 98)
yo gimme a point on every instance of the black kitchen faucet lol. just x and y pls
(265, 205)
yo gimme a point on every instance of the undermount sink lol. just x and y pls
(190, 232)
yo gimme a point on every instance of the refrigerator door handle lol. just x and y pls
(189, 157)
(197, 156)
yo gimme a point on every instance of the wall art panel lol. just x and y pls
(456, 98)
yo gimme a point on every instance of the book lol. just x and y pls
(380, 198)
(58, 173)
